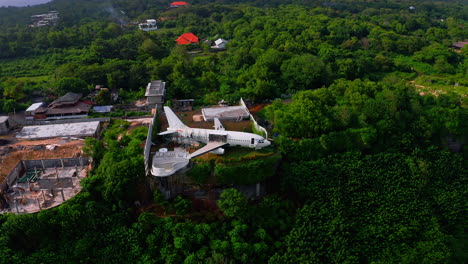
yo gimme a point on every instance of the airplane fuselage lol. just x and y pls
(233, 138)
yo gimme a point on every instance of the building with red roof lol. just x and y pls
(179, 4)
(187, 38)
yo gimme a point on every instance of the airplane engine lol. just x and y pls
(218, 151)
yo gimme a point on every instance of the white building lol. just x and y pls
(29, 113)
(155, 92)
(220, 44)
(149, 25)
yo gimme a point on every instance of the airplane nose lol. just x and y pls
(266, 142)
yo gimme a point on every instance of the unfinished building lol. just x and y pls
(35, 185)
(155, 92)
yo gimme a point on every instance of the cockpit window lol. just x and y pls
(260, 141)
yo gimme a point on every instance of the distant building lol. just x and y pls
(179, 4)
(187, 38)
(459, 44)
(149, 25)
(155, 92)
(67, 106)
(113, 94)
(220, 44)
(29, 113)
(42, 20)
(183, 105)
(4, 125)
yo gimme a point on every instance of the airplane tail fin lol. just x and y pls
(173, 120)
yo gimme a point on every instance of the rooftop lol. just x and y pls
(155, 88)
(65, 109)
(3, 119)
(179, 3)
(460, 44)
(34, 107)
(187, 38)
(82, 129)
(69, 98)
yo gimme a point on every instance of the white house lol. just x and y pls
(149, 25)
(220, 44)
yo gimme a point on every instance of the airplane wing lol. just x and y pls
(167, 133)
(209, 147)
(218, 125)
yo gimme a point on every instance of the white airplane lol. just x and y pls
(214, 139)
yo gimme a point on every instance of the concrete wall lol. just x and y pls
(256, 125)
(4, 127)
(24, 165)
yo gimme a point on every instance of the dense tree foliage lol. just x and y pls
(372, 133)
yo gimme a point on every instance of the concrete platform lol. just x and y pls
(82, 129)
(225, 113)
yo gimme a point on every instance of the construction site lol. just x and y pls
(42, 171)
(34, 185)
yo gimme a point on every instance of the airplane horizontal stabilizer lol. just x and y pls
(167, 133)
(218, 125)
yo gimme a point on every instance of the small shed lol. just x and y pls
(4, 125)
(220, 44)
(183, 105)
(29, 113)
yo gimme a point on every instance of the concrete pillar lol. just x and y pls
(76, 170)
(39, 204)
(16, 204)
(43, 166)
(43, 195)
(56, 173)
(81, 162)
(61, 160)
(63, 196)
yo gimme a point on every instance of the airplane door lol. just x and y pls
(252, 142)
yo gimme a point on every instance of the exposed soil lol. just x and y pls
(12, 153)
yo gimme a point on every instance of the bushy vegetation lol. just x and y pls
(372, 166)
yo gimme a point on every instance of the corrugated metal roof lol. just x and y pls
(34, 107)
